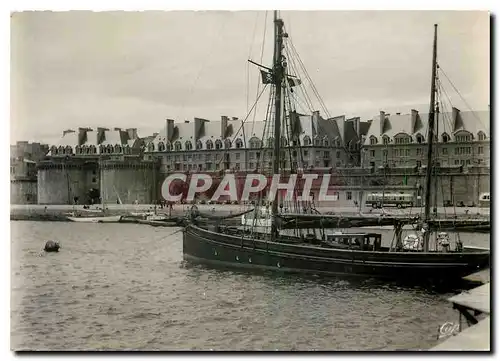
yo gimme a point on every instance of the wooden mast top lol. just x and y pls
(430, 141)
(277, 74)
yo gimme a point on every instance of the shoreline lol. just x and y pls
(60, 213)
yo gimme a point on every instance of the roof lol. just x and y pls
(415, 123)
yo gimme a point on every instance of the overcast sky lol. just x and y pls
(117, 69)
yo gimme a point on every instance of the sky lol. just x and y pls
(136, 69)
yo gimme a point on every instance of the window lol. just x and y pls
(218, 144)
(480, 150)
(373, 140)
(419, 151)
(420, 138)
(337, 154)
(239, 143)
(419, 164)
(188, 145)
(481, 136)
(327, 154)
(446, 138)
(93, 180)
(237, 156)
(372, 153)
(385, 140)
(402, 139)
(307, 140)
(463, 137)
(209, 144)
(349, 196)
(445, 151)
(177, 146)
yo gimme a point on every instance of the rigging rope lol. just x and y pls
(461, 97)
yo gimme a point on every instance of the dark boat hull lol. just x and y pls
(204, 246)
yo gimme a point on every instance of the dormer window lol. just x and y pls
(420, 138)
(445, 137)
(402, 138)
(188, 145)
(177, 146)
(373, 140)
(463, 137)
(199, 145)
(481, 136)
(307, 140)
(210, 144)
(239, 143)
(385, 140)
(218, 144)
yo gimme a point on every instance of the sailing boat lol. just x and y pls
(359, 254)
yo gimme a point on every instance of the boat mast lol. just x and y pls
(430, 141)
(277, 80)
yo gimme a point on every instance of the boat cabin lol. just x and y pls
(355, 241)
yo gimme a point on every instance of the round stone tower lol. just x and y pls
(129, 180)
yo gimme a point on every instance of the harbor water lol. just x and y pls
(125, 286)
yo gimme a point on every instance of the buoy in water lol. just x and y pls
(51, 246)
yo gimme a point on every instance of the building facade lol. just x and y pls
(235, 145)
(92, 166)
(23, 174)
(387, 152)
(395, 148)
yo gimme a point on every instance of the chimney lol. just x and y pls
(132, 133)
(414, 118)
(382, 122)
(199, 128)
(82, 135)
(456, 119)
(223, 126)
(235, 118)
(316, 115)
(169, 129)
(356, 124)
(67, 131)
(101, 134)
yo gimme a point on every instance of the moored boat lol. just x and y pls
(311, 249)
(96, 219)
